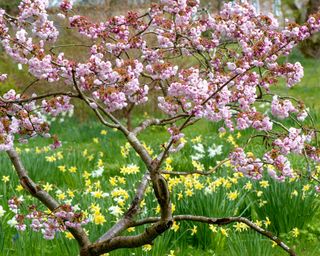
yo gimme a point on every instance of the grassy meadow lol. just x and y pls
(97, 170)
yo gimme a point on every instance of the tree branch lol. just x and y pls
(128, 241)
(39, 97)
(196, 171)
(150, 122)
(223, 221)
(87, 101)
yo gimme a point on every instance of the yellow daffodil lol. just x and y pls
(306, 188)
(130, 230)
(267, 222)
(69, 235)
(59, 155)
(121, 180)
(70, 193)
(62, 168)
(189, 192)
(61, 196)
(149, 149)
(97, 194)
(103, 132)
(173, 208)
(72, 169)
(142, 203)
(171, 253)
(158, 209)
(175, 226)
(5, 179)
(113, 181)
(194, 230)
(295, 232)
(19, 188)
(198, 166)
(94, 208)
(130, 169)
(147, 247)
(259, 193)
(99, 219)
(197, 139)
(258, 223)
(86, 175)
(264, 183)
(48, 187)
(100, 163)
(294, 193)
(125, 150)
(213, 228)
(239, 226)
(248, 186)
(224, 232)
(51, 159)
(233, 195)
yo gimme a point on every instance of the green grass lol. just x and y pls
(77, 138)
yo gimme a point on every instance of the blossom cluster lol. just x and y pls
(275, 161)
(20, 120)
(46, 223)
(57, 105)
(294, 142)
(3, 77)
(34, 12)
(283, 108)
(66, 5)
(248, 165)
(26, 118)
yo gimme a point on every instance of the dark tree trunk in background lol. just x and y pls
(311, 47)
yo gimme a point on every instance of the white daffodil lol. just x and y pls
(13, 222)
(97, 173)
(199, 147)
(115, 210)
(197, 156)
(215, 150)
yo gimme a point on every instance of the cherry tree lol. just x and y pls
(230, 65)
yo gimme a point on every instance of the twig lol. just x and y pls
(196, 171)
(223, 221)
